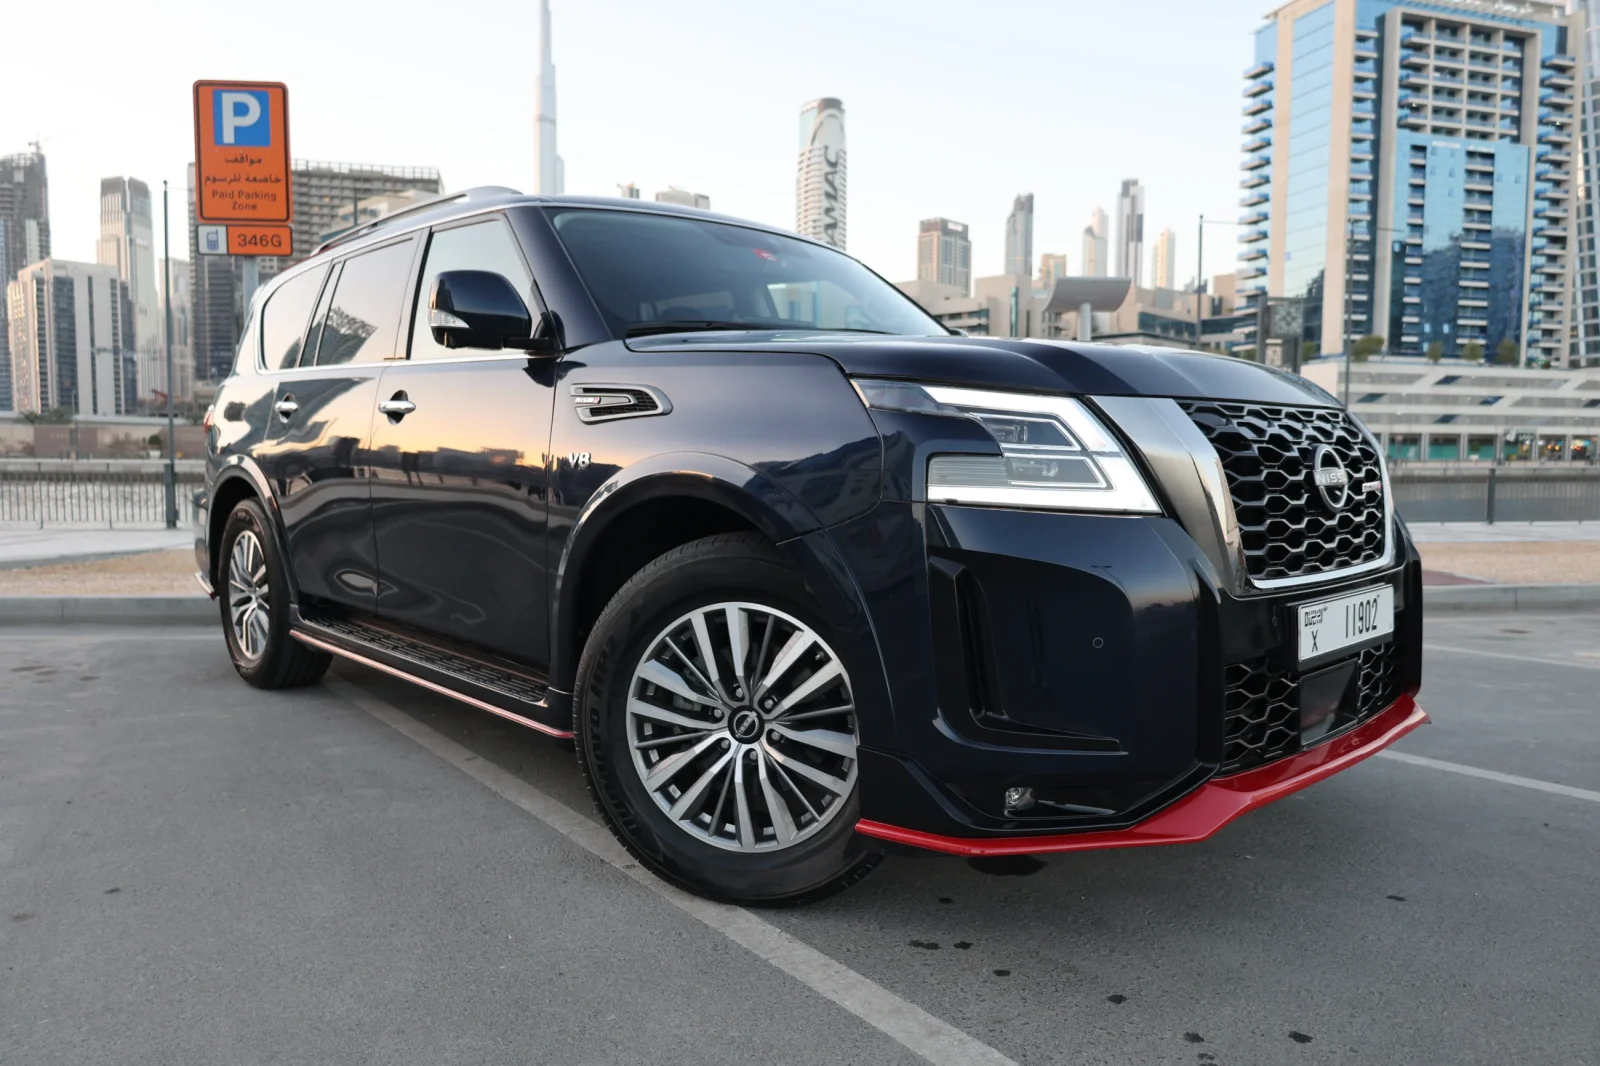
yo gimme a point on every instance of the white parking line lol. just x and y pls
(1492, 775)
(1508, 655)
(907, 1024)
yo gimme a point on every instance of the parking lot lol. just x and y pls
(192, 871)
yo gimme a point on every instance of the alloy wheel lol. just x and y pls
(742, 727)
(249, 596)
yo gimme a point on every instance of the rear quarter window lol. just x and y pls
(284, 320)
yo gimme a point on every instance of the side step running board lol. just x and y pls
(488, 686)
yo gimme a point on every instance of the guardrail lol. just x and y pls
(115, 494)
(1515, 493)
(131, 493)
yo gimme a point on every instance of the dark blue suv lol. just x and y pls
(804, 575)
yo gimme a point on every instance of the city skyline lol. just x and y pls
(742, 153)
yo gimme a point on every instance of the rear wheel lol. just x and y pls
(253, 591)
(717, 727)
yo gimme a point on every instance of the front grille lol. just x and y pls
(1286, 528)
(1261, 705)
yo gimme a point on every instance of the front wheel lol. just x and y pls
(717, 728)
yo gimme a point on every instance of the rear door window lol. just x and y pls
(363, 318)
(283, 322)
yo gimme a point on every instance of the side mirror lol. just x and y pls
(482, 309)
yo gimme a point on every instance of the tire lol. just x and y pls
(252, 581)
(751, 853)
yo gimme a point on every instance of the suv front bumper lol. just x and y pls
(1087, 657)
(1200, 813)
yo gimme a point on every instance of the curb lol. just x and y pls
(118, 610)
(1510, 597)
(198, 610)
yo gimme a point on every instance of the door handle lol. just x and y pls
(286, 408)
(397, 406)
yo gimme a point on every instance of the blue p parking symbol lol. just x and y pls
(241, 117)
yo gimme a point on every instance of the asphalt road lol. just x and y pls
(195, 872)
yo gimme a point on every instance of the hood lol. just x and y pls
(1025, 365)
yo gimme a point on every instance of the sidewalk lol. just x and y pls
(22, 546)
(1502, 532)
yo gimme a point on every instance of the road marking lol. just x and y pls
(1492, 775)
(1512, 657)
(907, 1024)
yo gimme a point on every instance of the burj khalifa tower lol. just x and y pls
(551, 179)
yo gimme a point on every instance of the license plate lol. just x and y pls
(1359, 618)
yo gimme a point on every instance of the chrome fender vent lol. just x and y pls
(607, 403)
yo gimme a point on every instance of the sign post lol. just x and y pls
(242, 196)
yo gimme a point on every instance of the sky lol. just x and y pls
(951, 108)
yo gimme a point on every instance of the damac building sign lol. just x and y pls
(820, 182)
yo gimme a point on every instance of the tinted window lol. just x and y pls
(646, 269)
(283, 323)
(481, 246)
(365, 313)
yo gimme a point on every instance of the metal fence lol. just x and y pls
(132, 493)
(1497, 493)
(114, 494)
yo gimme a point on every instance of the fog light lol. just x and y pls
(1019, 799)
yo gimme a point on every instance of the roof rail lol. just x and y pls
(481, 192)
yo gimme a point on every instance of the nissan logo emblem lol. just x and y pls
(1331, 478)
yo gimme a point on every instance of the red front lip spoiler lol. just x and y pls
(1203, 811)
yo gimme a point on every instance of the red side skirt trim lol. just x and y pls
(1203, 811)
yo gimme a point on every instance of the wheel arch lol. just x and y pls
(645, 511)
(240, 480)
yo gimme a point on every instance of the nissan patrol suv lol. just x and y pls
(804, 575)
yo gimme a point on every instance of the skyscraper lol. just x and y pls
(24, 237)
(1165, 267)
(1586, 349)
(820, 184)
(944, 253)
(182, 338)
(71, 326)
(552, 175)
(1051, 267)
(684, 198)
(1019, 237)
(1096, 263)
(127, 243)
(327, 194)
(1130, 231)
(1436, 215)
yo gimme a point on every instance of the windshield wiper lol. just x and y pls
(645, 329)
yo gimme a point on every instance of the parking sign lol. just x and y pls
(241, 152)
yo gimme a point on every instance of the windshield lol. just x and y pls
(657, 273)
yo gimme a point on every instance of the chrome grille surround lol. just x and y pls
(1287, 533)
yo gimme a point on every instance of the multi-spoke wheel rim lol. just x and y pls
(742, 727)
(248, 599)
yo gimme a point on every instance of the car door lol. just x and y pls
(316, 447)
(459, 468)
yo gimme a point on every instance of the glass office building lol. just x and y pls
(1408, 171)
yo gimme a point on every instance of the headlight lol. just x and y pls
(1054, 453)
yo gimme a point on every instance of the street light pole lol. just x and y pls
(172, 455)
(1199, 273)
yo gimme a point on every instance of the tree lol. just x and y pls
(1366, 347)
(1473, 352)
(1506, 351)
(1435, 351)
